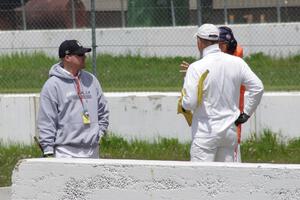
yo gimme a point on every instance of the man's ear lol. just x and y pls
(199, 43)
(66, 58)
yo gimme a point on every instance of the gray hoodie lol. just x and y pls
(60, 120)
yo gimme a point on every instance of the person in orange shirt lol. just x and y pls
(228, 44)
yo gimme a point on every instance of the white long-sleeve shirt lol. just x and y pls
(219, 107)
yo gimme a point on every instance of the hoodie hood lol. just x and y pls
(58, 71)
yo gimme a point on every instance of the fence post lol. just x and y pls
(23, 15)
(225, 12)
(173, 13)
(122, 13)
(73, 14)
(199, 12)
(94, 46)
(278, 11)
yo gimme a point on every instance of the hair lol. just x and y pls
(208, 42)
(230, 41)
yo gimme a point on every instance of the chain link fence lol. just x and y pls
(140, 43)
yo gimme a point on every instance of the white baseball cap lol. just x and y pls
(208, 32)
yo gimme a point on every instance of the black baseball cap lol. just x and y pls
(226, 34)
(71, 47)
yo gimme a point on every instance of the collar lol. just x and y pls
(67, 72)
(211, 49)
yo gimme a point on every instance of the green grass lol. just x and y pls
(276, 74)
(270, 148)
(161, 149)
(10, 155)
(27, 72)
(24, 72)
(266, 148)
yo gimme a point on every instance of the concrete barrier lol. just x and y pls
(89, 179)
(269, 38)
(149, 115)
(5, 193)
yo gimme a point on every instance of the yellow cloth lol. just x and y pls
(200, 87)
(188, 115)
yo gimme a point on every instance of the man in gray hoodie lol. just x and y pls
(73, 111)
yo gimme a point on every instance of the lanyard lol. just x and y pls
(85, 114)
(77, 81)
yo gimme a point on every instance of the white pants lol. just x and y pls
(76, 152)
(220, 148)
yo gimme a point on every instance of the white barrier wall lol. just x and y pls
(18, 117)
(93, 179)
(158, 41)
(150, 115)
(5, 193)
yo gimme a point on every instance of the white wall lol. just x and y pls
(5, 193)
(273, 39)
(150, 115)
(18, 117)
(92, 179)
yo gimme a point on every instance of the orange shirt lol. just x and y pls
(239, 52)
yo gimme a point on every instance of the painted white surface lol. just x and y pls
(147, 116)
(278, 39)
(18, 117)
(5, 193)
(150, 115)
(88, 179)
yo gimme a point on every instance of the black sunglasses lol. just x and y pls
(80, 55)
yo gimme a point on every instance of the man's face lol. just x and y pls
(76, 61)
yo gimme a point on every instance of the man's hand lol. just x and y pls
(184, 66)
(242, 119)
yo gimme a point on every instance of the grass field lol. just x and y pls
(27, 73)
(268, 148)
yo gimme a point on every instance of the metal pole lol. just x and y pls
(225, 12)
(122, 13)
(199, 12)
(73, 14)
(173, 13)
(286, 11)
(199, 17)
(94, 46)
(278, 11)
(23, 15)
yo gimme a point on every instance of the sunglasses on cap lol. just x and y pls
(80, 55)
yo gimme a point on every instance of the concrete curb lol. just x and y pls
(93, 179)
(5, 193)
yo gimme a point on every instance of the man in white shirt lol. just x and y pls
(211, 93)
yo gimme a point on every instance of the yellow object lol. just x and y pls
(200, 87)
(188, 115)
(86, 119)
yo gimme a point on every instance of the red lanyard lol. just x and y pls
(77, 81)
(85, 112)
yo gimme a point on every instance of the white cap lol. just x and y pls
(208, 32)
